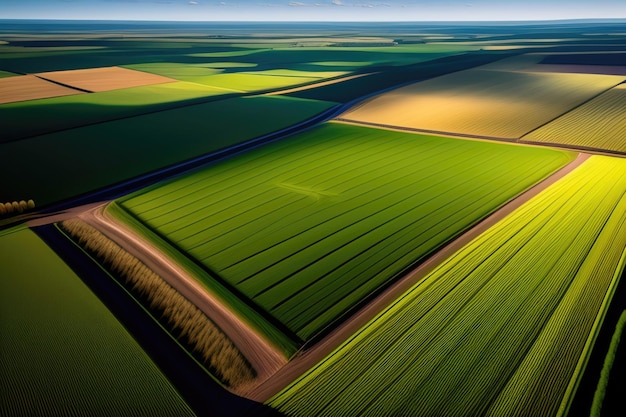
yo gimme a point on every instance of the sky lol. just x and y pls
(313, 10)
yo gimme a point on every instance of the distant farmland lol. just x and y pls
(139, 144)
(307, 227)
(29, 87)
(599, 123)
(503, 327)
(76, 110)
(483, 102)
(104, 79)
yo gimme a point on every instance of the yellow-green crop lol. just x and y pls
(502, 327)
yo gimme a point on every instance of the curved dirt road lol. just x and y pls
(265, 358)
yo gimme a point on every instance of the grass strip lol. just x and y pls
(287, 345)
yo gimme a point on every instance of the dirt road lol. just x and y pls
(265, 358)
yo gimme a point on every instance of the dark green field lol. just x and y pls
(88, 158)
(62, 349)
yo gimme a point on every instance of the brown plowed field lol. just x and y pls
(30, 87)
(104, 79)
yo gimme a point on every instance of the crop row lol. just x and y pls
(63, 351)
(609, 361)
(13, 207)
(503, 327)
(307, 228)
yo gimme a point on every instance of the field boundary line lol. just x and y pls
(521, 138)
(520, 142)
(308, 358)
(426, 131)
(82, 90)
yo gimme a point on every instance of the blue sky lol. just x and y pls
(313, 10)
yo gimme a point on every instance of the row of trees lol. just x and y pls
(16, 207)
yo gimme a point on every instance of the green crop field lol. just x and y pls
(307, 227)
(599, 124)
(59, 113)
(479, 101)
(246, 81)
(267, 80)
(63, 351)
(103, 154)
(502, 327)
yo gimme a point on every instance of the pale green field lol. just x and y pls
(210, 74)
(266, 80)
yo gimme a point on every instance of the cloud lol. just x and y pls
(366, 4)
(193, 3)
(302, 4)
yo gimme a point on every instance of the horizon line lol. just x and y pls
(596, 19)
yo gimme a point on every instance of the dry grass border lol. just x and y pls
(181, 318)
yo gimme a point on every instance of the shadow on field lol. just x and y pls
(613, 400)
(205, 396)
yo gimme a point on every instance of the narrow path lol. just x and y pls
(305, 360)
(265, 358)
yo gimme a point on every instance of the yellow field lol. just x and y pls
(29, 87)
(105, 78)
(599, 123)
(483, 102)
